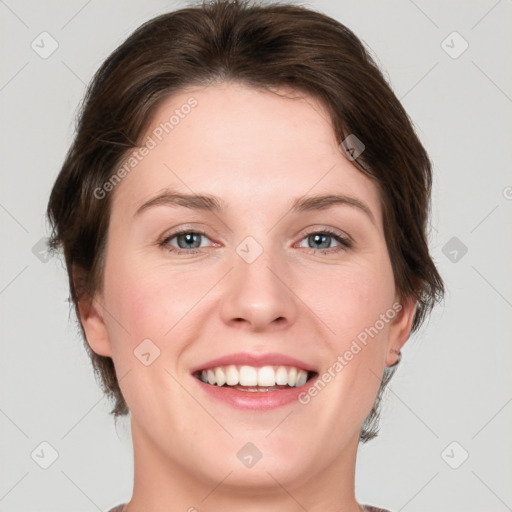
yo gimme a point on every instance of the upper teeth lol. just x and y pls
(233, 375)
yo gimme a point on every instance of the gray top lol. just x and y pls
(367, 508)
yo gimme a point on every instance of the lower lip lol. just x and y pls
(254, 400)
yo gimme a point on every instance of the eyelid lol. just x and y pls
(311, 230)
(185, 228)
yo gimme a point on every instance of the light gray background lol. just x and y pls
(454, 383)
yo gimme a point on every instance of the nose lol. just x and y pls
(258, 295)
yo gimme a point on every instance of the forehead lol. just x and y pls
(243, 144)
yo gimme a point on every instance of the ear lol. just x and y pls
(92, 318)
(400, 327)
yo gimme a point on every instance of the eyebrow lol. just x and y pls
(211, 203)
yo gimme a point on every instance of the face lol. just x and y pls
(272, 282)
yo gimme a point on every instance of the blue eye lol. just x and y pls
(189, 242)
(323, 240)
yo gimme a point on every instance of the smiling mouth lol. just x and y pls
(255, 379)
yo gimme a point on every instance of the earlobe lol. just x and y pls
(400, 329)
(92, 317)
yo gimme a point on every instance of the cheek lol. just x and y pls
(352, 299)
(143, 312)
(356, 304)
(149, 302)
(138, 310)
(364, 313)
(356, 348)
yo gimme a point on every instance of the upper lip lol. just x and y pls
(252, 359)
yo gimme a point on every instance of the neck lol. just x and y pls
(161, 484)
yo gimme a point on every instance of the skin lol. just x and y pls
(258, 151)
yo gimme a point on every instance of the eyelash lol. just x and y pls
(345, 243)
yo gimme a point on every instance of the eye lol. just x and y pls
(322, 241)
(189, 242)
(184, 242)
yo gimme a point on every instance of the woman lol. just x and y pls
(243, 216)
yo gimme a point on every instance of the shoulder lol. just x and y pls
(119, 508)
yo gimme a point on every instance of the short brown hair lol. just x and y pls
(263, 46)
